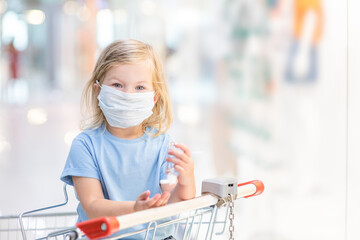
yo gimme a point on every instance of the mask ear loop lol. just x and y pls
(97, 82)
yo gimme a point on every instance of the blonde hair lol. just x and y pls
(128, 52)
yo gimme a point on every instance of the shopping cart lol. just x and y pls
(38, 223)
(199, 218)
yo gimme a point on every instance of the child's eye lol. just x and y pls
(117, 85)
(140, 88)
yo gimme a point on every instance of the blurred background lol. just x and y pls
(262, 89)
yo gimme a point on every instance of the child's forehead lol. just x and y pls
(140, 72)
(138, 65)
(129, 67)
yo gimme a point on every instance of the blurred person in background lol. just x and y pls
(12, 55)
(302, 17)
(15, 88)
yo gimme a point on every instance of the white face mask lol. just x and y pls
(123, 110)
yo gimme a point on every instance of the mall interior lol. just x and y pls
(261, 90)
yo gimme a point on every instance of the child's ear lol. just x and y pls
(96, 88)
(156, 97)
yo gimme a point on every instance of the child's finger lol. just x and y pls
(166, 199)
(177, 154)
(150, 202)
(163, 200)
(179, 159)
(183, 147)
(143, 196)
(178, 162)
(158, 203)
(173, 160)
(179, 169)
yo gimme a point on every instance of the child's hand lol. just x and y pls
(183, 164)
(144, 202)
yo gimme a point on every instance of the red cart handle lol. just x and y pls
(259, 187)
(99, 227)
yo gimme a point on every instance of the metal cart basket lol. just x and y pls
(38, 223)
(199, 218)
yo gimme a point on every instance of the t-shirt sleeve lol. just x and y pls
(80, 162)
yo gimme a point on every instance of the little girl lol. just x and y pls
(117, 162)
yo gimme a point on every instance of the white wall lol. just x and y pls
(353, 163)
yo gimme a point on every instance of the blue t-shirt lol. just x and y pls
(124, 167)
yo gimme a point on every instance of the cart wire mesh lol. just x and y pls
(197, 224)
(38, 223)
(187, 218)
(36, 226)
